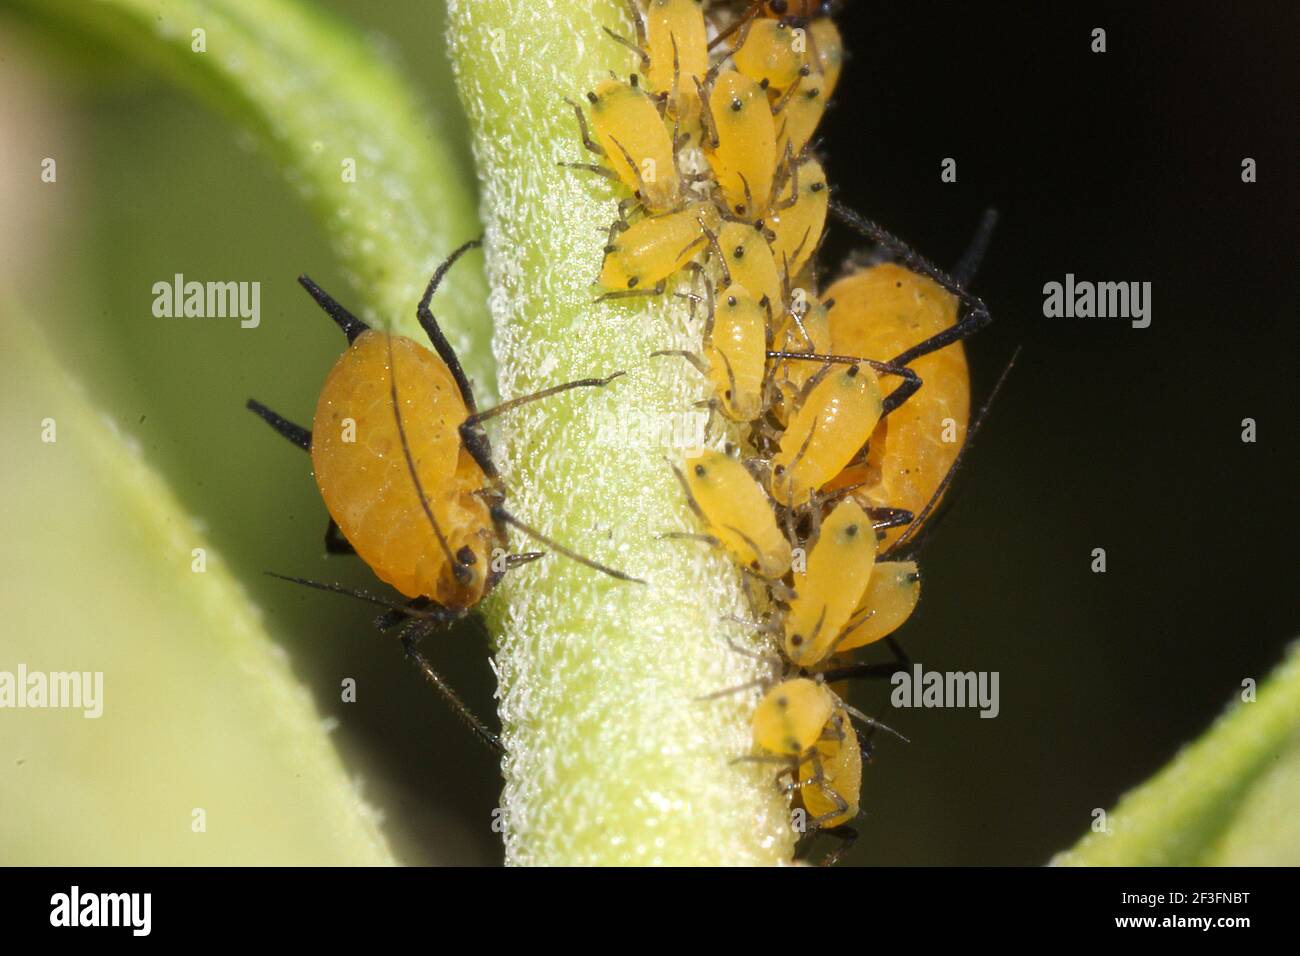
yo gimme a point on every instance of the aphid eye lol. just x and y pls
(853, 370)
(591, 98)
(796, 640)
(466, 555)
(763, 83)
(783, 702)
(731, 301)
(851, 530)
(631, 283)
(700, 471)
(817, 187)
(778, 6)
(727, 394)
(736, 105)
(739, 252)
(813, 94)
(778, 470)
(632, 78)
(740, 209)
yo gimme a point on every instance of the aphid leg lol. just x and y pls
(706, 113)
(871, 721)
(478, 418)
(632, 293)
(410, 638)
(295, 433)
(909, 386)
(335, 543)
(390, 619)
(501, 516)
(696, 362)
(977, 314)
(592, 168)
(708, 539)
(712, 238)
(434, 331)
(624, 41)
(431, 611)
(587, 141)
(345, 320)
(964, 271)
(742, 21)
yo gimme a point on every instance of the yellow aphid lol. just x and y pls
(737, 512)
(826, 432)
(839, 569)
(829, 48)
(773, 52)
(799, 114)
(675, 31)
(636, 143)
(367, 484)
(742, 142)
(798, 226)
(790, 718)
(653, 248)
(735, 351)
(882, 311)
(833, 800)
(890, 599)
(747, 261)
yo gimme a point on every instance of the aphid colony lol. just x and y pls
(843, 412)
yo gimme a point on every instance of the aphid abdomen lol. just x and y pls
(881, 312)
(830, 53)
(889, 600)
(839, 569)
(365, 479)
(750, 264)
(744, 158)
(826, 432)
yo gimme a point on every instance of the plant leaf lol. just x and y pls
(199, 708)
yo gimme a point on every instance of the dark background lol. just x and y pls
(1123, 166)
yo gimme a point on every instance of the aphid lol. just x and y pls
(672, 42)
(746, 260)
(740, 141)
(891, 310)
(797, 221)
(736, 513)
(631, 136)
(884, 310)
(824, 434)
(406, 472)
(790, 718)
(647, 252)
(735, 352)
(830, 591)
(773, 52)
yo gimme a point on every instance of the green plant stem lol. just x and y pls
(314, 96)
(612, 755)
(1229, 798)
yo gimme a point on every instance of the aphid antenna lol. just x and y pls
(432, 329)
(911, 381)
(930, 505)
(352, 326)
(477, 418)
(500, 514)
(460, 568)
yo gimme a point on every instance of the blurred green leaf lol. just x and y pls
(199, 708)
(318, 99)
(1228, 799)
